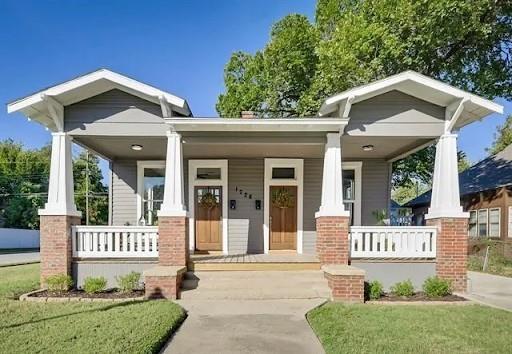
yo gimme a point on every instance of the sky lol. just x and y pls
(178, 46)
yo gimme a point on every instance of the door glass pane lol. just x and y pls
(482, 223)
(154, 181)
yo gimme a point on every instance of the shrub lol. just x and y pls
(129, 282)
(437, 287)
(404, 288)
(94, 285)
(375, 290)
(59, 283)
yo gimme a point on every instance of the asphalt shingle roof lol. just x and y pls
(490, 173)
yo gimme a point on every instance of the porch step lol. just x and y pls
(254, 285)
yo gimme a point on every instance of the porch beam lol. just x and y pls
(332, 180)
(173, 203)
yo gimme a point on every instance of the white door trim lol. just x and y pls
(357, 167)
(141, 165)
(298, 181)
(193, 165)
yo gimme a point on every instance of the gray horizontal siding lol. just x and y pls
(375, 189)
(124, 192)
(245, 222)
(313, 169)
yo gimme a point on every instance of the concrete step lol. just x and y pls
(248, 285)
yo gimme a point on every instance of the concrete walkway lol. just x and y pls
(246, 326)
(19, 258)
(490, 289)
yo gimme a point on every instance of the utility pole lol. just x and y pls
(86, 187)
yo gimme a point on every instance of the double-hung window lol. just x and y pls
(473, 228)
(494, 222)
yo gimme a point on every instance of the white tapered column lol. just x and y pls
(61, 198)
(332, 181)
(445, 199)
(173, 203)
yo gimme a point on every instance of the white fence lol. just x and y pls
(393, 242)
(115, 241)
(19, 238)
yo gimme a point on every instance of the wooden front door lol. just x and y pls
(208, 218)
(283, 219)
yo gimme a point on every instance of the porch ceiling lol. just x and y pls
(227, 146)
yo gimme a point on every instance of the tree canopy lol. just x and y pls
(502, 137)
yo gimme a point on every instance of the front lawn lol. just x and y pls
(412, 329)
(99, 327)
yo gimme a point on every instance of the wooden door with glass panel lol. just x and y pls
(283, 218)
(208, 218)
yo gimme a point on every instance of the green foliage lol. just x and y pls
(437, 287)
(404, 288)
(129, 282)
(463, 43)
(375, 290)
(408, 191)
(93, 285)
(502, 137)
(59, 283)
(380, 216)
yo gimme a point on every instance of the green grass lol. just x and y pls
(497, 265)
(100, 327)
(412, 329)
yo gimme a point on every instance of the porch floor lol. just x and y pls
(271, 261)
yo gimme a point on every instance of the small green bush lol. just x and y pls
(59, 283)
(404, 288)
(375, 290)
(437, 287)
(93, 285)
(129, 282)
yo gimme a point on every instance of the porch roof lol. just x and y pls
(38, 106)
(419, 86)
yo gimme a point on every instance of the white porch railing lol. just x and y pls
(115, 241)
(393, 242)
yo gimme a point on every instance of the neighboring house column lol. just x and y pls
(332, 229)
(165, 279)
(60, 212)
(446, 214)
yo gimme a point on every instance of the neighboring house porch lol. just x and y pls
(303, 188)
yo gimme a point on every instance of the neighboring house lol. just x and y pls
(399, 215)
(240, 186)
(486, 193)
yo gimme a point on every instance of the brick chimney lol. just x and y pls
(248, 114)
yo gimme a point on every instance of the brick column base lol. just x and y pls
(332, 241)
(173, 241)
(345, 282)
(452, 245)
(55, 244)
(163, 282)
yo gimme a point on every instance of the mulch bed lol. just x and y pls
(420, 296)
(109, 294)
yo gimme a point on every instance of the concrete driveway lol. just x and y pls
(246, 326)
(490, 289)
(19, 258)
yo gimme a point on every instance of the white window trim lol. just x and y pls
(489, 222)
(193, 182)
(298, 181)
(357, 166)
(141, 165)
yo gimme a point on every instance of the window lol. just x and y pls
(509, 232)
(283, 173)
(349, 197)
(208, 173)
(473, 223)
(494, 222)
(150, 190)
(482, 222)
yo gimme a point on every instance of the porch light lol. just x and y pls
(136, 147)
(368, 147)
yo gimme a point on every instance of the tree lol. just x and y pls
(465, 43)
(502, 137)
(91, 196)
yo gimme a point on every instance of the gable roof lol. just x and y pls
(490, 173)
(89, 85)
(420, 86)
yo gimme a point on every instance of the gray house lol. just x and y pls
(249, 186)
